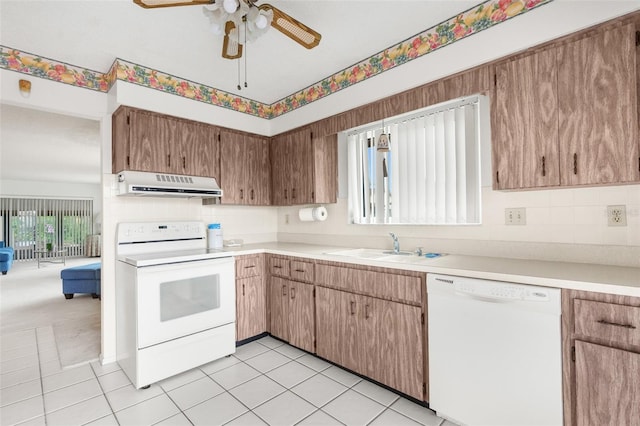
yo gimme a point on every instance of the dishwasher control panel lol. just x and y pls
(495, 289)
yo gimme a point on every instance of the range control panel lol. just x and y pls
(142, 232)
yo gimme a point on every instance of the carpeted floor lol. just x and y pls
(31, 298)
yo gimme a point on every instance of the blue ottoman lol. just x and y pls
(6, 258)
(81, 279)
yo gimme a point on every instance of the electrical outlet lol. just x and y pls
(515, 216)
(617, 215)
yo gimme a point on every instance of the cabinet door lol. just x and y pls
(301, 179)
(280, 170)
(607, 387)
(325, 169)
(337, 337)
(199, 150)
(120, 140)
(250, 307)
(150, 142)
(525, 123)
(258, 178)
(598, 108)
(232, 168)
(301, 316)
(395, 345)
(279, 303)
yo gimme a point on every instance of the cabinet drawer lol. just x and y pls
(301, 271)
(607, 321)
(372, 283)
(279, 267)
(248, 266)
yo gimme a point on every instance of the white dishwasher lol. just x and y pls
(494, 352)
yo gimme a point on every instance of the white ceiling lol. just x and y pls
(91, 34)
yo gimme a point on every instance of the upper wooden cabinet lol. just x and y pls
(568, 115)
(245, 169)
(151, 142)
(305, 168)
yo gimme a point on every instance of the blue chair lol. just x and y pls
(6, 258)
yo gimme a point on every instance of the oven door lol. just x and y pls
(179, 299)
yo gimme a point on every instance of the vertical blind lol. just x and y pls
(32, 223)
(430, 175)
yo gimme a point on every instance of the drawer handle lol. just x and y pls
(249, 267)
(605, 322)
(299, 270)
(243, 289)
(352, 308)
(284, 290)
(293, 292)
(366, 311)
(277, 267)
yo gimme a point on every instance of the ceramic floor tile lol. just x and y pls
(448, 423)
(37, 421)
(267, 361)
(319, 418)
(393, 418)
(79, 414)
(127, 396)
(291, 374)
(352, 408)
(17, 339)
(177, 420)
(22, 411)
(19, 352)
(148, 412)
(313, 362)
(235, 375)
(50, 355)
(50, 367)
(420, 414)
(249, 350)
(342, 376)
(290, 351)
(181, 379)
(216, 411)
(18, 363)
(247, 419)
(67, 378)
(285, 409)
(319, 390)
(70, 395)
(113, 381)
(109, 420)
(219, 364)
(20, 376)
(257, 391)
(20, 392)
(195, 392)
(375, 392)
(101, 370)
(270, 342)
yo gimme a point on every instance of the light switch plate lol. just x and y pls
(515, 216)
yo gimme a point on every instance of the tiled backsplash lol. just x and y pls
(561, 224)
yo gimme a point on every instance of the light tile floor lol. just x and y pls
(266, 382)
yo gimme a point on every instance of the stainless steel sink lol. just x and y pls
(382, 255)
(399, 253)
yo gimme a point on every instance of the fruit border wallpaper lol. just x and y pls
(480, 17)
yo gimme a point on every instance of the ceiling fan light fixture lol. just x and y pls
(230, 6)
(261, 21)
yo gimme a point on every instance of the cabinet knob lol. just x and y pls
(242, 194)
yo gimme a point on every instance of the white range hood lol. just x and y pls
(151, 184)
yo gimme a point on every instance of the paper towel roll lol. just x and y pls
(311, 214)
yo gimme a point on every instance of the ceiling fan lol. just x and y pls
(238, 18)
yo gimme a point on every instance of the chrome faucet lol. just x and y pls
(396, 244)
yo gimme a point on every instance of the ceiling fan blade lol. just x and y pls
(152, 4)
(231, 48)
(293, 28)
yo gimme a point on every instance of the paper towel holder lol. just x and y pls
(312, 214)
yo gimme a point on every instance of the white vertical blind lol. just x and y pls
(32, 223)
(434, 164)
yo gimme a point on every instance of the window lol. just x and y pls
(429, 175)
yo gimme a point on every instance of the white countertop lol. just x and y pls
(579, 276)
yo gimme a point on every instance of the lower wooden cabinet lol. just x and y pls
(378, 338)
(251, 297)
(293, 312)
(607, 387)
(601, 359)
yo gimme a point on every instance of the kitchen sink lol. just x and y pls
(382, 255)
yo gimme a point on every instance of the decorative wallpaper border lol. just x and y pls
(478, 18)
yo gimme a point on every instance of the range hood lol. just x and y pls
(165, 185)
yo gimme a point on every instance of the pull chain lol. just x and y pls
(246, 54)
(239, 87)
